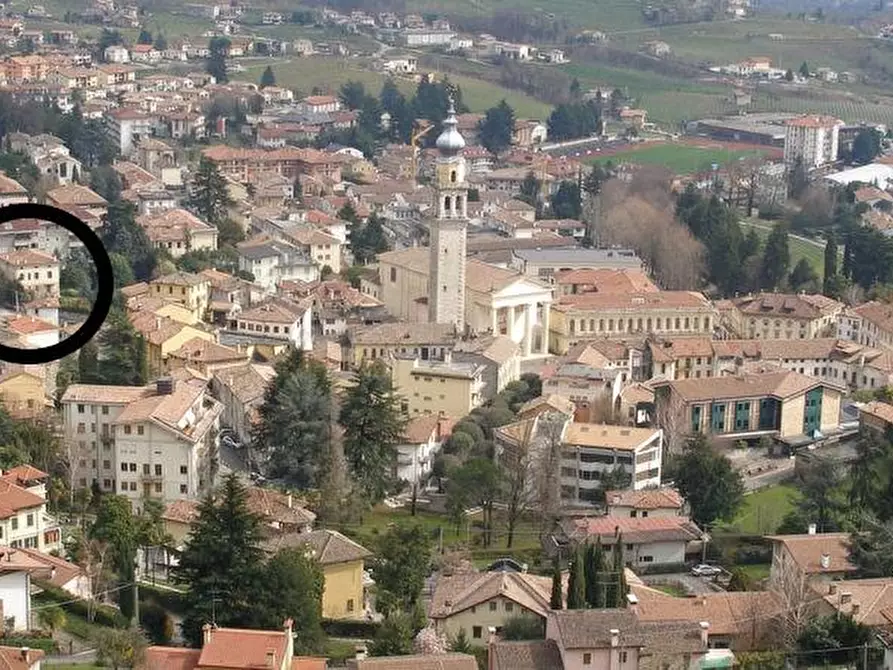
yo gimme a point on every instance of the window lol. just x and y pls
(509, 606)
(106, 465)
(493, 605)
(146, 468)
(183, 470)
(133, 467)
(393, 274)
(123, 467)
(623, 657)
(158, 470)
(476, 632)
(587, 658)
(350, 604)
(80, 409)
(139, 430)
(157, 487)
(29, 520)
(127, 430)
(15, 523)
(183, 489)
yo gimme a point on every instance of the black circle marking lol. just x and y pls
(104, 278)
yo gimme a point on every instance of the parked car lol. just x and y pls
(704, 570)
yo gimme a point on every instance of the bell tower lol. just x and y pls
(448, 229)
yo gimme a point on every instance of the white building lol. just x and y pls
(425, 37)
(422, 439)
(240, 389)
(36, 271)
(116, 54)
(405, 65)
(127, 126)
(145, 441)
(277, 319)
(274, 261)
(812, 140)
(24, 520)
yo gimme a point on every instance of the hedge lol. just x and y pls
(45, 644)
(103, 615)
(361, 630)
(172, 601)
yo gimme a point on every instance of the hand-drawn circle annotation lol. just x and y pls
(104, 279)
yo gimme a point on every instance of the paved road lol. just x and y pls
(694, 585)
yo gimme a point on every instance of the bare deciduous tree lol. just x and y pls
(798, 601)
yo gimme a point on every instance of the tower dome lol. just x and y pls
(450, 141)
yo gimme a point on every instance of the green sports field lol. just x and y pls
(680, 158)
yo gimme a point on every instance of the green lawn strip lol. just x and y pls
(680, 158)
(799, 248)
(763, 510)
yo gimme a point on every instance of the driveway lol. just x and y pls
(694, 585)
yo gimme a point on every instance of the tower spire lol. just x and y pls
(450, 141)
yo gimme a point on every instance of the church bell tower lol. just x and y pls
(448, 229)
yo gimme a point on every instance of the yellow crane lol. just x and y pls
(414, 144)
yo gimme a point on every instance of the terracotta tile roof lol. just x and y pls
(637, 302)
(880, 314)
(815, 121)
(457, 593)
(450, 661)
(166, 409)
(274, 310)
(199, 350)
(872, 193)
(65, 571)
(591, 629)
(635, 530)
(75, 194)
(330, 547)
(276, 507)
(233, 648)
(389, 334)
(881, 410)
(310, 237)
(622, 438)
(873, 596)
(27, 325)
(28, 257)
(682, 347)
(172, 225)
(807, 550)
(13, 658)
(156, 329)
(498, 349)
(14, 499)
(797, 306)
(180, 278)
(665, 498)
(419, 429)
(9, 186)
(248, 383)
(636, 393)
(108, 395)
(170, 658)
(532, 655)
(181, 511)
(484, 278)
(781, 385)
(607, 280)
(549, 402)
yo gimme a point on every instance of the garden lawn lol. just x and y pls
(680, 158)
(763, 510)
(799, 248)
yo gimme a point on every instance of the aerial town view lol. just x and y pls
(469, 335)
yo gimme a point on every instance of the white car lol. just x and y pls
(704, 570)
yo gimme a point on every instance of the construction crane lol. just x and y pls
(414, 143)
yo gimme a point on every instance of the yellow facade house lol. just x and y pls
(438, 387)
(164, 336)
(190, 290)
(23, 392)
(477, 601)
(343, 564)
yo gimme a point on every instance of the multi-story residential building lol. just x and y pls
(241, 391)
(247, 165)
(870, 324)
(781, 316)
(49, 154)
(544, 263)
(190, 290)
(178, 231)
(444, 388)
(77, 196)
(277, 319)
(320, 104)
(323, 248)
(578, 317)
(126, 127)
(809, 561)
(422, 439)
(24, 520)
(273, 261)
(500, 357)
(204, 356)
(644, 503)
(36, 271)
(786, 405)
(117, 78)
(11, 191)
(426, 341)
(811, 141)
(680, 358)
(153, 441)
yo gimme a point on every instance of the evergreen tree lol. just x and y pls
(122, 235)
(267, 78)
(352, 94)
(115, 526)
(160, 42)
(803, 277)
(566, 202)
(497, 127)
(210, 200)
(576, 584)
(373, 424)
(595, 565)
(556, 600)
(830, 262)
(804, 70)
(707, 480)
(366, 240)
(220, 564)
(776, 258)
(866, 146)
(123, 353)
(145, 37)
(530, 189)
(218, 48)
(402, 563)
(618, 586)
(88, 363)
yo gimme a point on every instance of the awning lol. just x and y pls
(717, 658)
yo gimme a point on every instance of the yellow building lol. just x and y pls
(781, 316)
(428, 341)
(191, 291)
(477, 602)
(164, 336)
(23, 392)
(205, 357)
(438, 387)
(343, 563)
(786, 405)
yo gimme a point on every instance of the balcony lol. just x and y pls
(151, 478)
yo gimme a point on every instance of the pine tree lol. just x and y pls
(598, 589)
(211, 201)
(218, 47)
(268, 78)
(576, 584)
(556, 601)
(619, 576)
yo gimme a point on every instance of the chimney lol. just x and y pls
(855, 612)
(825, 561)
(290, 502)
(705, 631)
(491, 635)
(206, 634)
(832, 589)
(270, 659)
(361, 652)
(25, 653)
(811, 529)
(632, 601)
(615, 637)
(524, 567)
(845, 597)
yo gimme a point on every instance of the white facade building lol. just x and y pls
(812, 140)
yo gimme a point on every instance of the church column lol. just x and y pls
(494, 315)
(546, 316)
(529, 318)
(512, 321)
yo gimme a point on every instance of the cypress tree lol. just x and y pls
(576, 585)
(619, 577)
(556, 602)
(830, 261)
(590, 574)
(599, 589)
